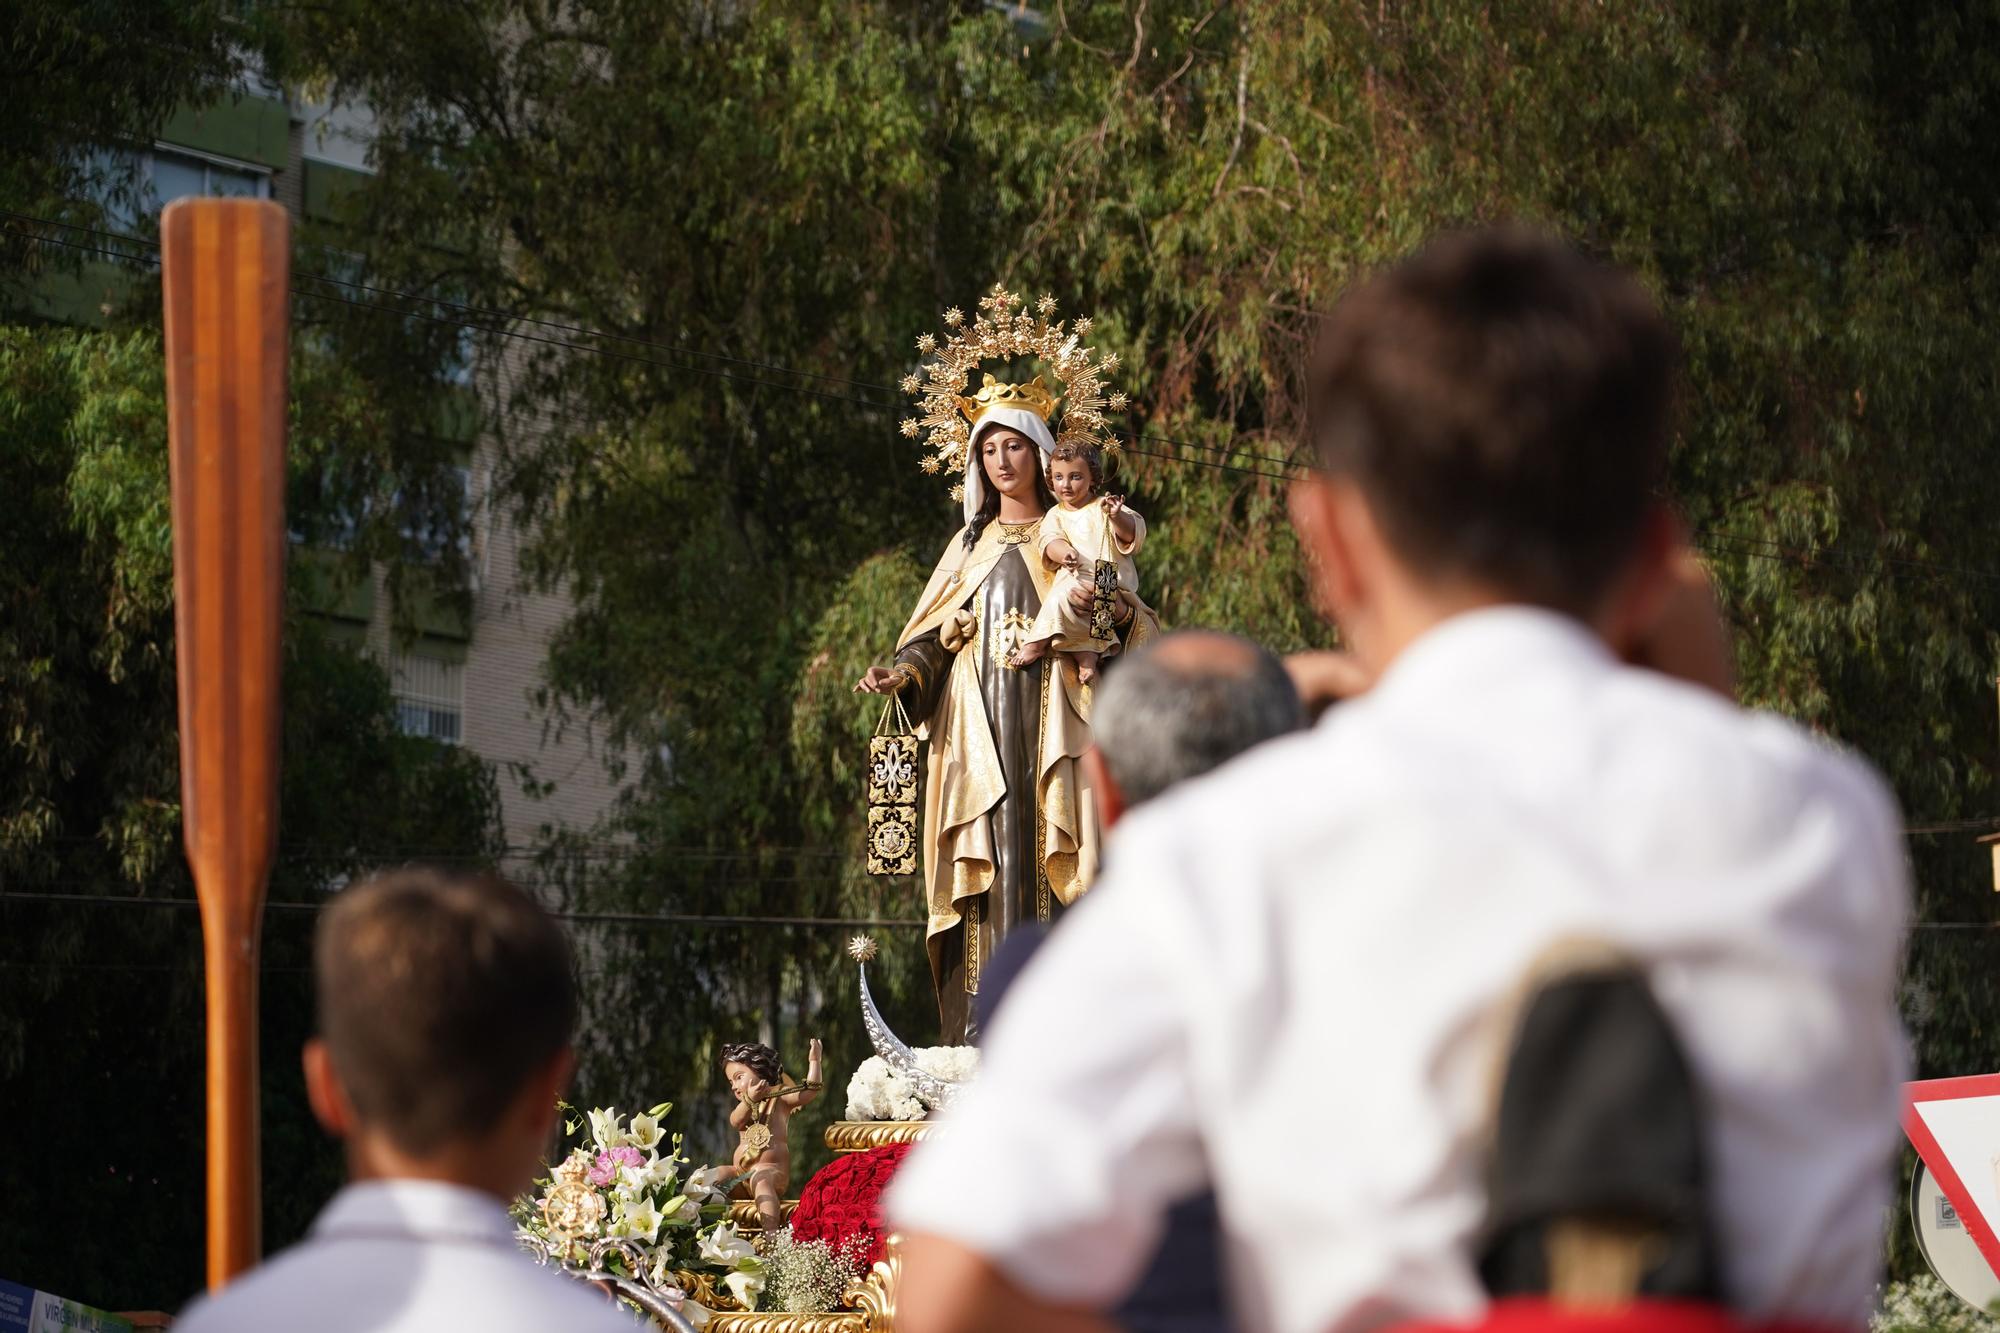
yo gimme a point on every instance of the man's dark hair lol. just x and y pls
(1189, 702)
(755, 1056)
(440, 993)
(1092, 456)
(1504, 403)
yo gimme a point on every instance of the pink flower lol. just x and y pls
(627, 1156)
(603, 1171)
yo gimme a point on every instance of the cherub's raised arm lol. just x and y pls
(798, 1095)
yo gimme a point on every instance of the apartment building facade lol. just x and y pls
(459, 679)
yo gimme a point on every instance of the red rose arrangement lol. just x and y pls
(844, 1200)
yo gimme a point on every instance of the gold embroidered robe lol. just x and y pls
(1011, 825)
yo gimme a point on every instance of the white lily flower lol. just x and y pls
(745, 1287)
(723, 1247)
(661, 1275)
(661, 1173)
(638, 1219)
(702, 1185)
(604, 1128)
(644, 1133)
(647, 1177)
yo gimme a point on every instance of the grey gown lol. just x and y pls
(1020, 890)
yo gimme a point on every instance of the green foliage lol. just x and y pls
(86, 75)
(729, 191)
(101, 1002)
(1925, 1305)
(760, 205)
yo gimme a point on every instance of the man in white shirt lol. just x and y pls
(446, 1008)
(1298, 969)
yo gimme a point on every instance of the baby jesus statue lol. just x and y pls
(1085, 529)
(765, 1100)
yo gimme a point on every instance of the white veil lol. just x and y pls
(1015, 419)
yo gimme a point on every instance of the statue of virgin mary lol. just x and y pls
(1010, 822)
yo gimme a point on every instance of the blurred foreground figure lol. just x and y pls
(1180, 707)
(445, 1014)
(1300, 975)
(1174, 710)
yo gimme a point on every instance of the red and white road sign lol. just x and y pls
(1954, 1124)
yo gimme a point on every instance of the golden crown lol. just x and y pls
(1005, 327)
(1034, 396)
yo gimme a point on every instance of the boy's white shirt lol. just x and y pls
(406, 1256)
(1288, 985)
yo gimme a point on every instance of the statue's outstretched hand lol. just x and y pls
(878, 680)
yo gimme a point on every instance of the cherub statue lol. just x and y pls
(765, 1100)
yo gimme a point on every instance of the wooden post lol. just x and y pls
(225, 269)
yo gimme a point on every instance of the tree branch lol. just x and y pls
(1242, 113)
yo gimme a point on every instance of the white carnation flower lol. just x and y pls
(865, 1091)
(953, 1064)
(876, 1094)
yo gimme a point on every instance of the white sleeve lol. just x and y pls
(1138, 534)
(1051, 530)
(1059, 1162)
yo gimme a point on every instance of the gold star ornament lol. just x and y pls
(1008, 330)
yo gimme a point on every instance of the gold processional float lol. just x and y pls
(867, 1305)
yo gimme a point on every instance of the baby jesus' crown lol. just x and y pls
(1034, 396)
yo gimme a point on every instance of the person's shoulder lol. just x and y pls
(271, 1295)
(1707, 718)
(1747, 756)
(1290, 782)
